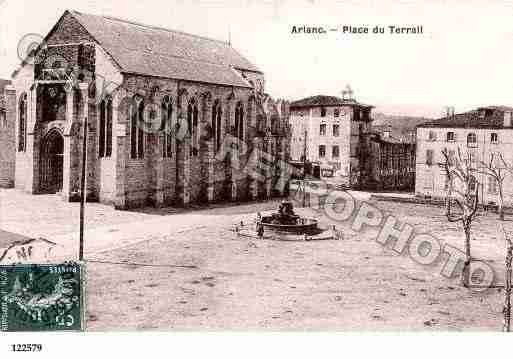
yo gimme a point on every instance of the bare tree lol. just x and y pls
(463, 190)
(508, 236)
(497, 168)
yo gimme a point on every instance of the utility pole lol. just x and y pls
(304, 171)
(83, 191)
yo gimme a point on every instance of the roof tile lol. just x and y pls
(154, 51)
(323, 100)
(472, 119)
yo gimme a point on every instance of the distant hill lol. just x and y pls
(403, 122)
(399, 127)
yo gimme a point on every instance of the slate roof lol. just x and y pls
(327, 101)
(472, 119)
(396, 141)
(149, 50)
(499, 108)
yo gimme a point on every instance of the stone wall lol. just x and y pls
(68, 31)
(142, 184)
(25, 161)
(108, 79)
(7, 141)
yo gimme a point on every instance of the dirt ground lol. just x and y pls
(186, 269)
(237, 283)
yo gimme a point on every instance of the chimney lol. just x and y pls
(507, 119)
(449, 112)
(386, 134)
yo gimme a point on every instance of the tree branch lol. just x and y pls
(476, 201)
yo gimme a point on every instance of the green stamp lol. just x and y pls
(41, 297)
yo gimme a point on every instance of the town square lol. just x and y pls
(214, 279)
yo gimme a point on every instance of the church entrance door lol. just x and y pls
(52, 152)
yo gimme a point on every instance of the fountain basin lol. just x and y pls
(302, 225)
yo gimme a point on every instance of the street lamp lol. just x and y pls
(83, 191)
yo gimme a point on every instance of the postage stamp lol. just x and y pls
(41, 297)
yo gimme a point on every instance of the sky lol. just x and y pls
(463, 59)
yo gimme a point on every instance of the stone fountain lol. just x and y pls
(285, 220)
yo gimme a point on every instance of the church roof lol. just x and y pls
(154, 51)
(323, 100)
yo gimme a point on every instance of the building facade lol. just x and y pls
(392, 161)
(7, 141)
(476, 135)
(329, 133)
(173, 118)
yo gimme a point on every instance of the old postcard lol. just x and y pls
(240, 165)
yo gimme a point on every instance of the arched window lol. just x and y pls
(274, 126)
(22, 124)
(136, 131)
(471, 139)
(101, 131)
(216, 124)
(105, 130)
(3, 119)
(193, 126)
(167, 116)
(239, 121)
(76, 103)
(108, 142)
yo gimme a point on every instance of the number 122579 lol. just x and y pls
(26, 347)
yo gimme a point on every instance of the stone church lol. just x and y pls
(172, 118)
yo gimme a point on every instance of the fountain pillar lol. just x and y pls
(283, 175)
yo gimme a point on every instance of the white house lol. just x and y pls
(330, 130)
(477, 133)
